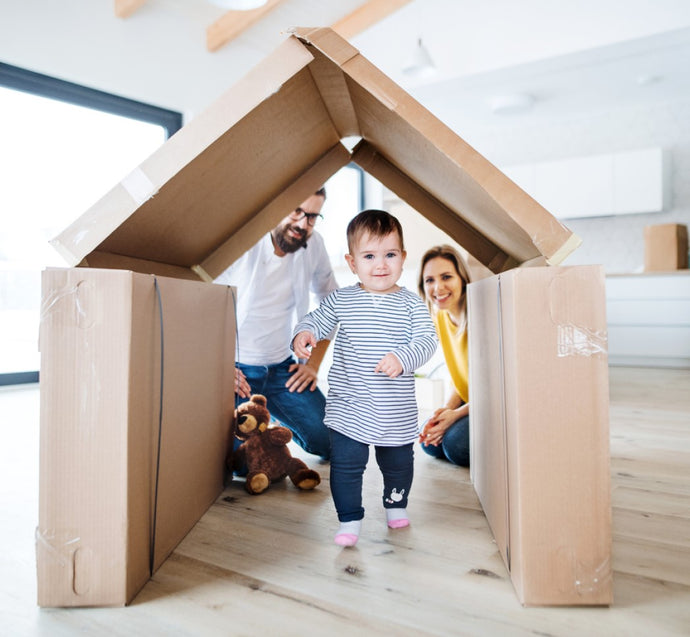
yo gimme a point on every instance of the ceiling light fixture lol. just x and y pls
(239, 5)
(511, 103)
(421, 64)
(648, 80)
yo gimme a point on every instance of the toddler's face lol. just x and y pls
(378, 262)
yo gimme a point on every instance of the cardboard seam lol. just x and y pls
(154, 513)
(303, 34)
(329, 110)
(504, 420)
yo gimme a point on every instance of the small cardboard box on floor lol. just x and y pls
(172, 226)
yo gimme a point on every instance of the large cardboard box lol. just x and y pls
(540, 430)
(136, 404)
(191, 209)
(665, 247)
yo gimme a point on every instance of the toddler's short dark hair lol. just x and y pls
(375, 223)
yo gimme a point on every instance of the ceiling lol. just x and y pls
(570, 58)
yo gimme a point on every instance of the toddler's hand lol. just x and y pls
(389, 365)
(302, 344)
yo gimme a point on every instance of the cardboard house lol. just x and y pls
(153, 244)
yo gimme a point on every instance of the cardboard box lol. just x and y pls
(116, 493)
(540, 430)
(665, 247)
(227, 177)
(188, 212)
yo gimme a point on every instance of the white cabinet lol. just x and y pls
(648, 318)
(628, 182)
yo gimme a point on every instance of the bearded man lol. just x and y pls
(274, 279)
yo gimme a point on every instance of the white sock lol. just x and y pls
(348, 533)
(351, 528)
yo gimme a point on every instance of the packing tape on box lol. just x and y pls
(139, 187)
(574, 340)
(75, 302)
(542, 241)
(593, 578)
(59, 546)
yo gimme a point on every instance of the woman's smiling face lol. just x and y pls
(443, 286)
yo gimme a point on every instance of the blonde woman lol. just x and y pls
(443, 282)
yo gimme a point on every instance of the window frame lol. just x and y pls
(20, 79)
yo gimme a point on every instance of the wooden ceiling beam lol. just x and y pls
(233, 23)
(125, 8)
(365, 16)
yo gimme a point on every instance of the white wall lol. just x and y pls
(616, 242)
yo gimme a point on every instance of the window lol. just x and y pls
(344, 199)
(63, 146)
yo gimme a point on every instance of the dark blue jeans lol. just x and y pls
(349, 459)
(301, 412)
(455, 446)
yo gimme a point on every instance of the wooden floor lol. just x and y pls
(267, 565)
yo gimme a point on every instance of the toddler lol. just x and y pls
(385, 332)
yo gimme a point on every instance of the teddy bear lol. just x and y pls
(264, 450)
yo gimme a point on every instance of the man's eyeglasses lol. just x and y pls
(298, 214)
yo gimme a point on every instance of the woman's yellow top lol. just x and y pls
(454, 346)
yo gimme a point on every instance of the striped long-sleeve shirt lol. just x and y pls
(369, 407)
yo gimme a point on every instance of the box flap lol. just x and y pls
(270, 141)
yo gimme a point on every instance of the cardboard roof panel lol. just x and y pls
(221, 188)
(421, 147)
(229, 176)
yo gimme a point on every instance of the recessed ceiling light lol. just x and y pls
(239, 5)
(511, 103)
(647, 79)
(421, 64)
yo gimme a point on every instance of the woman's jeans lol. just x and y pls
(455, 445)
(348, 461)
(301, 412)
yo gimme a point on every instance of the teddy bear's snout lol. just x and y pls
(246, 423)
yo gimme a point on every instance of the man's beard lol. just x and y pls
(289, 244)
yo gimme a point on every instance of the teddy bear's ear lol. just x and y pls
(259, 398)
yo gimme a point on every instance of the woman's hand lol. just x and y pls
(441, 420)
(435, 427)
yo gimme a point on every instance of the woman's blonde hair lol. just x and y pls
(449, 254)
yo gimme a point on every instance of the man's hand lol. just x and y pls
(304, 377)
(242, 388)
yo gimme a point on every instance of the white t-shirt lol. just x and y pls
(285, 293)
(264, 339)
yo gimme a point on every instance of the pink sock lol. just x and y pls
(397, 518)
(348, 533)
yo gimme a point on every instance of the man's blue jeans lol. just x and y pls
(455, 445)
(349, 459)
(301, 412)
